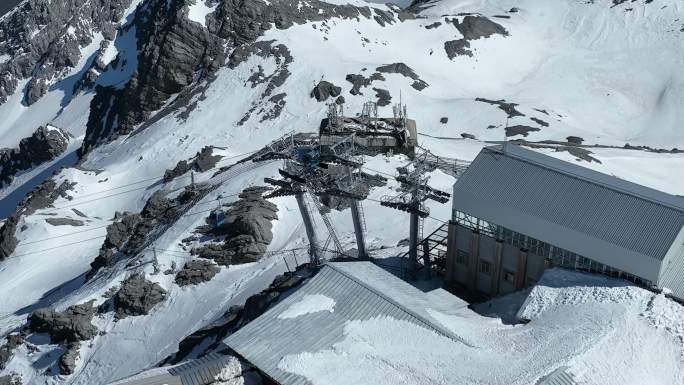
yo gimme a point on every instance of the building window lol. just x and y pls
(485, 267)
(462, 257)
(509, 276)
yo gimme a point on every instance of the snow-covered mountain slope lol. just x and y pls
(175, 78)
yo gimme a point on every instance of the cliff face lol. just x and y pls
(46, 144)
(41, 41)
(176, 54)
(171, 50)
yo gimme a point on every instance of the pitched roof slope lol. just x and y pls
(536, 194)
(359, 291)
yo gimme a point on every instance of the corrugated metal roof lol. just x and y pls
(558, 377)
(533, 193)
(361, 291)
(201, 371)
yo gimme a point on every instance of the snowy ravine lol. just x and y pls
(610, 74)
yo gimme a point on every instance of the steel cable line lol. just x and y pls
(78, 198)
(101, 236)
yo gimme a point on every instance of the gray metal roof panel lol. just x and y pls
(535, 185)
(559, 376)
(265, 341)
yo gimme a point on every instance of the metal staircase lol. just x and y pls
(328, 224)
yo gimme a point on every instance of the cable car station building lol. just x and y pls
(517, 212)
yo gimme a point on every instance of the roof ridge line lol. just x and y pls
(570, 174)
(441, 330)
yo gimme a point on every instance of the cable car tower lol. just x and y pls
(348, 186)
(412, 200)
(301, 175)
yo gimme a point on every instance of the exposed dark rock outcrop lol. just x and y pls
(12, 341)
(72, 325)
(67, 361)
(137, 296)
(456, 48)
(12, 379)
(539, 122)
(476, 27)
(171, 50)
(520, 130)
(472, 27)
(247, 227)
(324, 90)
(64, 222)
(406, 71)
(574, 139)
(127, 236)
(43, 40)
(360, 81)
(268, 105)
(8, 241)
(46, 144)
(41, 197)
(175, 53)
(444, 120)
(384, 97)
(196, 272)
(203, 161)
(508, 108)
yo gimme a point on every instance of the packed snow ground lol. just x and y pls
(602, 73)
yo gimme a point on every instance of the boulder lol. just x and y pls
(7, 349)
(196, 272)
(324, 89)
(384, 97)
(137, 296)
(574, 139)
(67, 361)
(72, 325)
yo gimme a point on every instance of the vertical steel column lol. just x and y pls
(413, 245)
(358, 230)
(308, 225)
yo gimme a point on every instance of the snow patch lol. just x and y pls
(312, 303)
(198, 12)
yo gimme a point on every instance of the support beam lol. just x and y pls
(309, 226)
(413, 245)
(358, 230)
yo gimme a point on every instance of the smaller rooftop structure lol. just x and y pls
(313, 318)
(370, 132)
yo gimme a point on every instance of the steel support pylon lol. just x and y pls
(413, 245)
(309, 227)
(358, 230)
